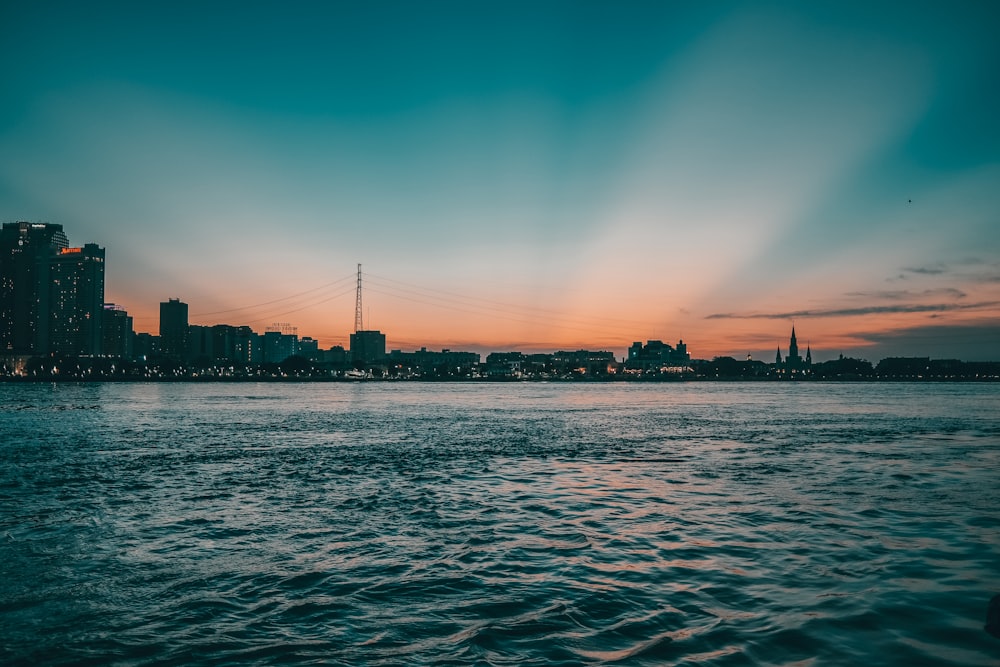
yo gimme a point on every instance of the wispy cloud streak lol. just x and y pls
(896, 295)
(859, 311)
(926, 270)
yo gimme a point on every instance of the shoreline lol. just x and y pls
(455, 380)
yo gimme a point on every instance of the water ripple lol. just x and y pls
(499, 524)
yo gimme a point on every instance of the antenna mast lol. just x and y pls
(358, 326)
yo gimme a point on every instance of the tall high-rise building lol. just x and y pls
(76, 304)
(174, 328)
(117, 332)
(26, 252)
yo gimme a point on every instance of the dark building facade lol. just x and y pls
(76, 302)
(444, 362)
(174, 329)
(278, 346)
(200, 344)
(117, 333)
(505, 364)
(657, 354)
(336, 356)
(367, 347)
(224, 342)
(247, 347)
(584, 361)
(145, 346)
(26, 253)
(309, 348)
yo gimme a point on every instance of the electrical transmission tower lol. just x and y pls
(357, 306)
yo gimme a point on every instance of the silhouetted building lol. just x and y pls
(117, 335)
(223, 338)
(584, 362)
(26, 252)
(367, 347)
(76, 304)
(174, 329)
(443, 363)
(200, 344)
(505, 364)
(794, 361)
(336, 356)
(309, 348)
(843, 368)
(793, 350)
(247, 347)
(279, 346)
(728, 367)
(656, 354)
(906, 367)
(145, 346)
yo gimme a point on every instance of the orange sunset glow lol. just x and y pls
(713, 177)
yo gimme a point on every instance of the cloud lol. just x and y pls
(987, 278)
(935, 270)
(896, 295)
(969, 342)
(974, 269)
(859, 311)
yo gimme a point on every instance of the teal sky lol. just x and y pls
(533, 175)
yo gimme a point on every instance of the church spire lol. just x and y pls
(778, 358)
(793, 346)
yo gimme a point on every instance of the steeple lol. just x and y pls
(809, 356)
(777, 359)
(793, 345)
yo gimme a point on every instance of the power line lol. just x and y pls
(273, 301)
(412, 293)
(466, 308)
(547, 312)
(312, 304)
(454, 301)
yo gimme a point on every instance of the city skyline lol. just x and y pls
(57, 308)
(517, 177)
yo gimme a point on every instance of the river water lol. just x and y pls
(499, 524)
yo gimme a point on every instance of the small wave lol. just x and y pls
(470, 525)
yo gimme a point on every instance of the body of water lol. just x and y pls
(499, 524)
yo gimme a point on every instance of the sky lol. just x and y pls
(533, 176)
